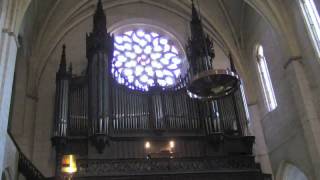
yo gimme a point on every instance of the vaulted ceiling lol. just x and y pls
(48, 21)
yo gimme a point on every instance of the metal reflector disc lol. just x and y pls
(213, 84)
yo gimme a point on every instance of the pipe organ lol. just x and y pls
(134, 111)
(101, 120)
(137, 111)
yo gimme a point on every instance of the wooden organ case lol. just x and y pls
(117, 132)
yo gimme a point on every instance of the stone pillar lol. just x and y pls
(260, 148)
(8, 51)
(6, 81)
(306, 109)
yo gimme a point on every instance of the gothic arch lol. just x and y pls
(289, 171)
(6, 175)
(273, 13)
(82, 10)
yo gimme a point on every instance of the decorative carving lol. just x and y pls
(151, 166)
(100, 46)
(100, 141)
(100, 109)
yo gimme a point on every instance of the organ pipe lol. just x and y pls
(133, 110)
(100, 45)
(62, 97)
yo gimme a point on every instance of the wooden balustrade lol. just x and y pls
(109, 167)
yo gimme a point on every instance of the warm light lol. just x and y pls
(147, 145)
(171, 143)
(69, 165)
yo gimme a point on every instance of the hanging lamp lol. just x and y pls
(205, 82)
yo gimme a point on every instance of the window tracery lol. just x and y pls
(142, 57)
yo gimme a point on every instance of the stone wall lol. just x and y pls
(10, 164)
(283, 129)
(8, 49)
(33, 110)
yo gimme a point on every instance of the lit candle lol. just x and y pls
(147, 145)
(69, 165)
(171, 143)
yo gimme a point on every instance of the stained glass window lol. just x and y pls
(142, 57)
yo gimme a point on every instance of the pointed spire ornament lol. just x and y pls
(195, 16)
(99, 39)
(204, 81)
(100, 46)
(99, 19)
(63, 61)
(232, 66)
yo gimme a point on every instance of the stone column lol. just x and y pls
(8, 51)
(307, 110)
(260, 147)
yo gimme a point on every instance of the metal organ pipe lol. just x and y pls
(139, 113)
(137, 123)
(179, 111)
(127, 111)
(124, 108)
(133, 110)
(164, 110)
(189, 112)
(122, 118)
(99, 51)
(62, 98)
(85, 110)
(185, 112)
(128, 105)
(236, 113)
(118, 115)
(78, 125)
(159, 111)
(132, 107)
(117, 111)
(121, 109)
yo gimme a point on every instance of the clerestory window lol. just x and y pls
(265, 80)
(312, 20)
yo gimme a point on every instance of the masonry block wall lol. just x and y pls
(283, 127)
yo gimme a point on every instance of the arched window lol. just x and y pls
(291, 172)
(265, 80)
(6, 175)
(312, 20)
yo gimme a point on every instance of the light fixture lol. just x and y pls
(172, 144)
(69, 165)
(205, 82)
(147, 145)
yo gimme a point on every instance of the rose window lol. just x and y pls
(142, 57)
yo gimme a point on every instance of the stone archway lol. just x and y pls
(6, 175)
(291, 172)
